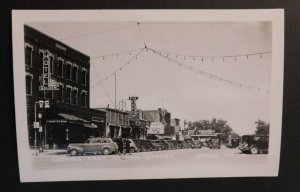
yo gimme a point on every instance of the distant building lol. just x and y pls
(59, 75)
(160, 122)
(117, 123)
(137, 120)
(176, 124)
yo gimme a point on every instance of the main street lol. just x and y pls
(172, 158)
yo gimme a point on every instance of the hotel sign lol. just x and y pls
(48, 84)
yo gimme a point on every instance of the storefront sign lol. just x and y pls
(156, 128)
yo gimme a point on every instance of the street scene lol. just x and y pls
(170, 158)
(142, 94)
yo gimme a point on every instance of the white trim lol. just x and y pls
(28, 45)
(75, 88)
(31, 47)
(84, 69)
(83, 91)
(69, 86)
(29, 74)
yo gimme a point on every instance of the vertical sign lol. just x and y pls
(46, 68)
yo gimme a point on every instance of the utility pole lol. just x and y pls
(115, 90)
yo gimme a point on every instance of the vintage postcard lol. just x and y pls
(147, 94)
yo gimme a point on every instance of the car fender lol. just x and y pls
(79, 149)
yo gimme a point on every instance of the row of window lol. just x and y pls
(67, 95)
(69, 71)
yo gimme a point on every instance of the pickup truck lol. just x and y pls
(103, 146)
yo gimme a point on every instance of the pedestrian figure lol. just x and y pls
(120, 145)
(128, 146)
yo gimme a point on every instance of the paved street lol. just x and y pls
(186, 157)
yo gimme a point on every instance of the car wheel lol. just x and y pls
(74, 152)
(106, 151)
(132, 150)
(254, 150)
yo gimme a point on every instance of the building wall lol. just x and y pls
(176, 124)
(63, 59)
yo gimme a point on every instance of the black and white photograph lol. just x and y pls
(140, 94)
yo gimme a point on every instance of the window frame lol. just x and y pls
(28, 45)
(84, 76)
(31, 83)
(61, 67)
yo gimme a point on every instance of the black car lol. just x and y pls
(141, 145)
(169, 144)
(254, 144)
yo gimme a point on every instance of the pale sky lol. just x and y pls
(160, 83)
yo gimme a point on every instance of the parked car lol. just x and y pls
(189, 142)
(215, 143)
(254, 144)
(197, 144)
(157, 145)
(133, 147)
(103, 146)
(169, 144)
(149, 145)
(182, 144)
(139, 144)
(164, 145)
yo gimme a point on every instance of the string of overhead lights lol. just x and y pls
(212, 58)
(105, 90)
(208, 75)
(98, 32)
(120, 68)
(117, 54)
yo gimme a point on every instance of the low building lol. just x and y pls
(160, 122)
(117, 123)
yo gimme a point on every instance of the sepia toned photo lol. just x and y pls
(117, 95)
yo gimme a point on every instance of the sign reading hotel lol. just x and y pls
(48, 84)
(156, 128)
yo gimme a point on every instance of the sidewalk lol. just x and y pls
(49, 152)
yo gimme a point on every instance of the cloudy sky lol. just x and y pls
(161, 83)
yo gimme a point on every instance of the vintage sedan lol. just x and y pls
(103, 146)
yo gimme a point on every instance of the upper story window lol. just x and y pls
(83, 98)
(75, 96)
(28, 54)
(83, 76)
(60, 65)
(29, 78)
(60, 93)
(68, 94)
(68, 70)
(75, 73)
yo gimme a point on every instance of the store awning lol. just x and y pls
(64, 118)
